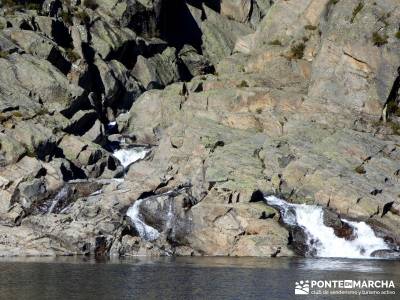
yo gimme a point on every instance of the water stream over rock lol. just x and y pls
(160, 214)
(321, 239)
(145, 231)
(130, 155)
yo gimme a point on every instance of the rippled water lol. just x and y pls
(182, 278)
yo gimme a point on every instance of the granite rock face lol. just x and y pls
(297, 98)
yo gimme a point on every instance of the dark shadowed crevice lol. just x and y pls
(392, 103)
(257, 196)
(83, 125)
(57, 60)
(71, 173)
(61, 35)
(386, 208)
(178, 27)
(140, 19)
(81, 103)
(146, 195)
(213, 4)
(126, 54)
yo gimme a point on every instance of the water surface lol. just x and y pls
(182, 278)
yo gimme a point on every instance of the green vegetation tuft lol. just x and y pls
(397, 34)
(33, 6)
(92, 4)
(310, 27)
(393, 109)
(71, 55)
(275, 43)
(243, 84)
(356, 10)
(297, 51)
(3, 54)
(360, 169)
(394, 126)
(8, 3)
(13, 5)
(17, 114)
(66, 17)
(82, 16)
(378, 39)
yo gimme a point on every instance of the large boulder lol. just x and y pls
(195, 63)
(143, 16)
(239, 10)
(10, 150)
(26, 76)
(220, 35)
(158, 70)
(120, 88)
(107, 38)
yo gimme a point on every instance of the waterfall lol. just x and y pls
(322, 238)
(61, 196)
(145, 231)
(167, 213)
(130, 155)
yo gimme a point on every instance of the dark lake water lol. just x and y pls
(184, 278)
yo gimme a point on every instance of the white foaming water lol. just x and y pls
(145, 231)
(130, 155)
(61, 195)
(310, 217)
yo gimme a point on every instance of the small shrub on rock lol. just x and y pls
(356, 10)
(395, 127)
(3, 54)
(66, 17)
(360, 169)
(310, 27)
(243, 84)
(378, 39)
(82, 16)
(297, 51)
(275, 43)
(8, 3)
(92, 4)
(72, 55)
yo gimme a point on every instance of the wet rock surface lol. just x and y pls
(391, 254)
(296, 98)
(340, 228)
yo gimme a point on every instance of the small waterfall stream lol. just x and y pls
(61, 196)
(165, 213)
(145, 231)
(322, 238)
(130, 155)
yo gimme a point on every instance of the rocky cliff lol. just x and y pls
(232, 100)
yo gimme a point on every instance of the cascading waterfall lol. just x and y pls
(310, 218)
(145, 231)
(61, 196)
(130, 155)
